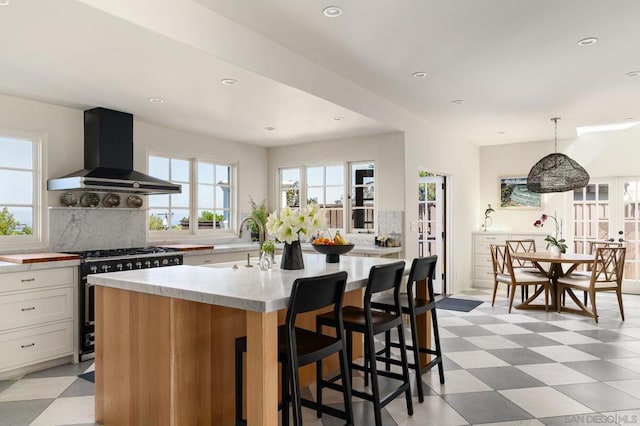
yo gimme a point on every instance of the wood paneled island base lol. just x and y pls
(166, 361)
(165, 340)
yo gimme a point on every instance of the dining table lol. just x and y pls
(554, 266)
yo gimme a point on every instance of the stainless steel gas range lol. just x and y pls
(101, 261)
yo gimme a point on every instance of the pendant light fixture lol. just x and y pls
(556, 172)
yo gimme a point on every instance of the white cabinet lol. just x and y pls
(37, 318)
(482, 267)
(206, 259)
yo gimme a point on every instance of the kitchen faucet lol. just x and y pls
(261, 231)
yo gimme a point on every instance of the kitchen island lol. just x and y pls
(164, 339)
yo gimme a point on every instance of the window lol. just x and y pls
(327, 186)
(210, 207)
(20, 187)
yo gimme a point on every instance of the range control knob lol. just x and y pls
(129, 266)
(139, 265)
(156, 263)
(176, 260)
(93, 269)
(165, 262)
(147, 264)
(105, 268)
(119, 266)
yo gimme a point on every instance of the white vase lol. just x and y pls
(554, 250)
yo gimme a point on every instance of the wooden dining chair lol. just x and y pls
(523, 246)
(606, 275)
(593, 245)
(504, 272)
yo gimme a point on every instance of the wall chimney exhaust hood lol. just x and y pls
(108, 159)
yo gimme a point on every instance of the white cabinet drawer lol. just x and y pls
(36, 344)
(483, 273)
(490, 238)
(34, 307)
(14, 281)
(483, 260)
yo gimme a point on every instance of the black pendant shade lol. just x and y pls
(556, 172)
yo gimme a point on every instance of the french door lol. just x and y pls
(609, 209)
(431, 203)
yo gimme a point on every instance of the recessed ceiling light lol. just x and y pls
(458, 102)
(332, 11)
(419, 74)
(587, 41)
(4, 2)
(269, 128)
(336, 118)
(229, 81)
(633, 74)
(156, 100)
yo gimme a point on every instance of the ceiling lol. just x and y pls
(514, 63)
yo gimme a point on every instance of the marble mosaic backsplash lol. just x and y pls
(76, 229)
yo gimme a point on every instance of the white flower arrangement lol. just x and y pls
(288, 224)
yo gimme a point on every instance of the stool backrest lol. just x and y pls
(383, 278)
(422, 269)
(311, 293)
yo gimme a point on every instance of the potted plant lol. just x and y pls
(258, 212)
(555, 244)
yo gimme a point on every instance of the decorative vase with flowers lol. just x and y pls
(555, 244)
(289, 225)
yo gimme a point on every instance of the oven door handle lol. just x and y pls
(87, 302)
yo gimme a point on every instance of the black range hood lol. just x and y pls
(108, 159)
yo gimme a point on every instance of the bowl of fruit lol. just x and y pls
(332, 247)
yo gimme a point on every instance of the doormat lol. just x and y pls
(90, 376)
(461, 305)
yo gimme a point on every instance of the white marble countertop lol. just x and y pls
(6, 267)
(242, 287)
(235, 247)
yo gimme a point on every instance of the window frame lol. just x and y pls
(348, 186)
(195, 232)
(39, 237)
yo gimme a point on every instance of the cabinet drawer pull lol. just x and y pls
(27, 346)
(28, 280)
(207, 261)
(33, 308)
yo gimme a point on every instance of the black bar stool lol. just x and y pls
(370, 323)
(422, 270)
(298, 347)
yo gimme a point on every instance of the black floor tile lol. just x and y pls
(520, 356)
(485, 407)
(499, 378)
(14, 413)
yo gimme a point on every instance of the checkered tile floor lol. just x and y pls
(523, 368)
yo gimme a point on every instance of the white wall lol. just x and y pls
(603, 154)
(64, 128)
(386, 150)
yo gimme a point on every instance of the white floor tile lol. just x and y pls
(563, 353)
(457, 381)
(44, 388)
(475, 359)
(492, 342)
(505, 329)
(555, 374)
(575, 325)
(544, 402)
(434, 408)
(516, 318)
(632, 364)
(68, 411)
(632, 387)
(530, 422)
(452, 322)
(569, 337)
(633, 332)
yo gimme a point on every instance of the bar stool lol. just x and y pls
(298, 347)
(422, 270)
(370, 323)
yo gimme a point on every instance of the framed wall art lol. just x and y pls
(515, 195)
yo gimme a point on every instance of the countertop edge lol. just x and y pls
(7, 267)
